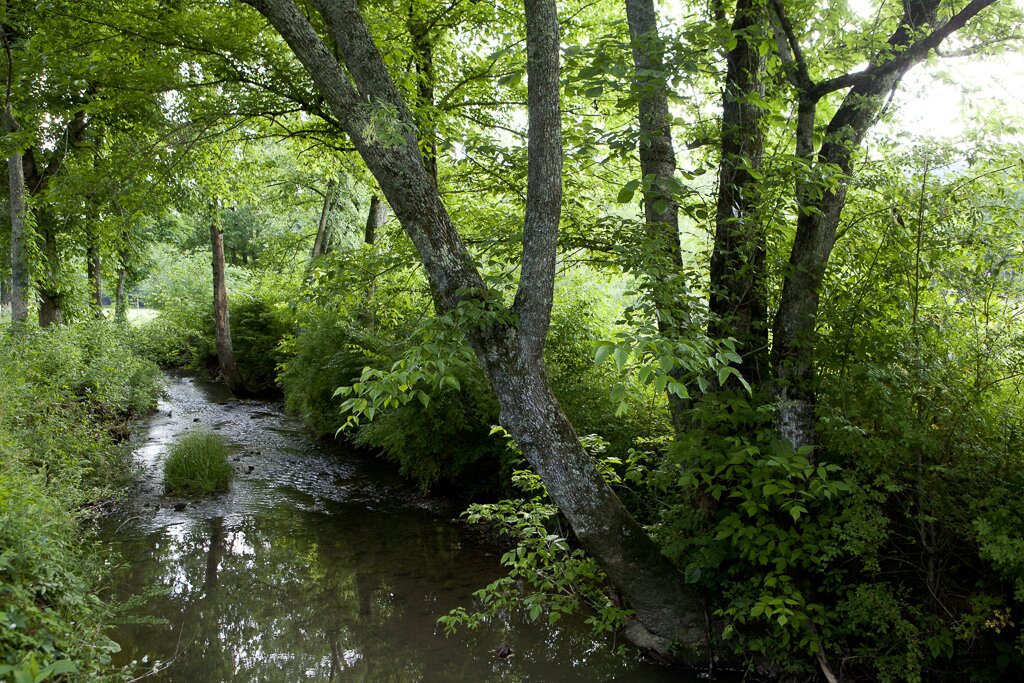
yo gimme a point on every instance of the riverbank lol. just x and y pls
(66, 397)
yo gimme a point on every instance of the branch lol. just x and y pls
(914, 53)
(544, 185)
(793, 55)
(979, 48)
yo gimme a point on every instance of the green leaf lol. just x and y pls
(603, 351)
(627, 192)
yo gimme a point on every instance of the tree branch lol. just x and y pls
(792, 55)
(909, 56)
(544, 188)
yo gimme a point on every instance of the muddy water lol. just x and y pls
(317, 565)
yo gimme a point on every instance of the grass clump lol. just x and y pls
(197, 464)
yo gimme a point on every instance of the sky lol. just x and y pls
(944, 99)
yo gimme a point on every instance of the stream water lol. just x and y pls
(319, 564)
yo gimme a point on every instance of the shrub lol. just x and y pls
(67, 394)
(197, 464)
(257, 330)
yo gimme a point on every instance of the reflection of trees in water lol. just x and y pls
(294, 595)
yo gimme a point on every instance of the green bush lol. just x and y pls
(183, 335)
(432, 407)
(198, 464)
(326, 355)
(257, 332)
(52, 619)
(67, 395)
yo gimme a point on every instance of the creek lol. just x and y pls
(319, 564)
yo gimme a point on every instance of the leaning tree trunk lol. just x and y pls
(738, 300)
(225, 352)
(510, 353)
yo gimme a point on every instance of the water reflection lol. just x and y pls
(280, 582)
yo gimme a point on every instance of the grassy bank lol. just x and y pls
(65, 398)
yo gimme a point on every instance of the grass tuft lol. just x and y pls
(197, 464)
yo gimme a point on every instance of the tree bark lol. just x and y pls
(225, 352)
(19, 236)
(16, 194)
(738, 300)
(323, 235)
(423, 60)
(375, 219)
(511, 353)
(94, 273)
(120, 303)
(5, 292)
(658, 164)
(51, 292)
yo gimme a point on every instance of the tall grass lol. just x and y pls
(198, 464)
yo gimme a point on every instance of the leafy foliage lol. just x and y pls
(67, 394)
(547, 576)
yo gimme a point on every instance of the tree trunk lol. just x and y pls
(657, 162)
(423, 60)
(94, 272)
(120, 302)
(738, 301)
(225, 353)
(19, 237)
(375, 219)
(51, 292)
(820, 207)
(512, 356)
(794, 333)
(5, 292)
(669, 614)
(321, 244)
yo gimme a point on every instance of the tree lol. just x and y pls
(821, 189)
(508, 342)
(222, 321)
(16, 184)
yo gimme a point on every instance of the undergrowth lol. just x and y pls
(66, 396)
